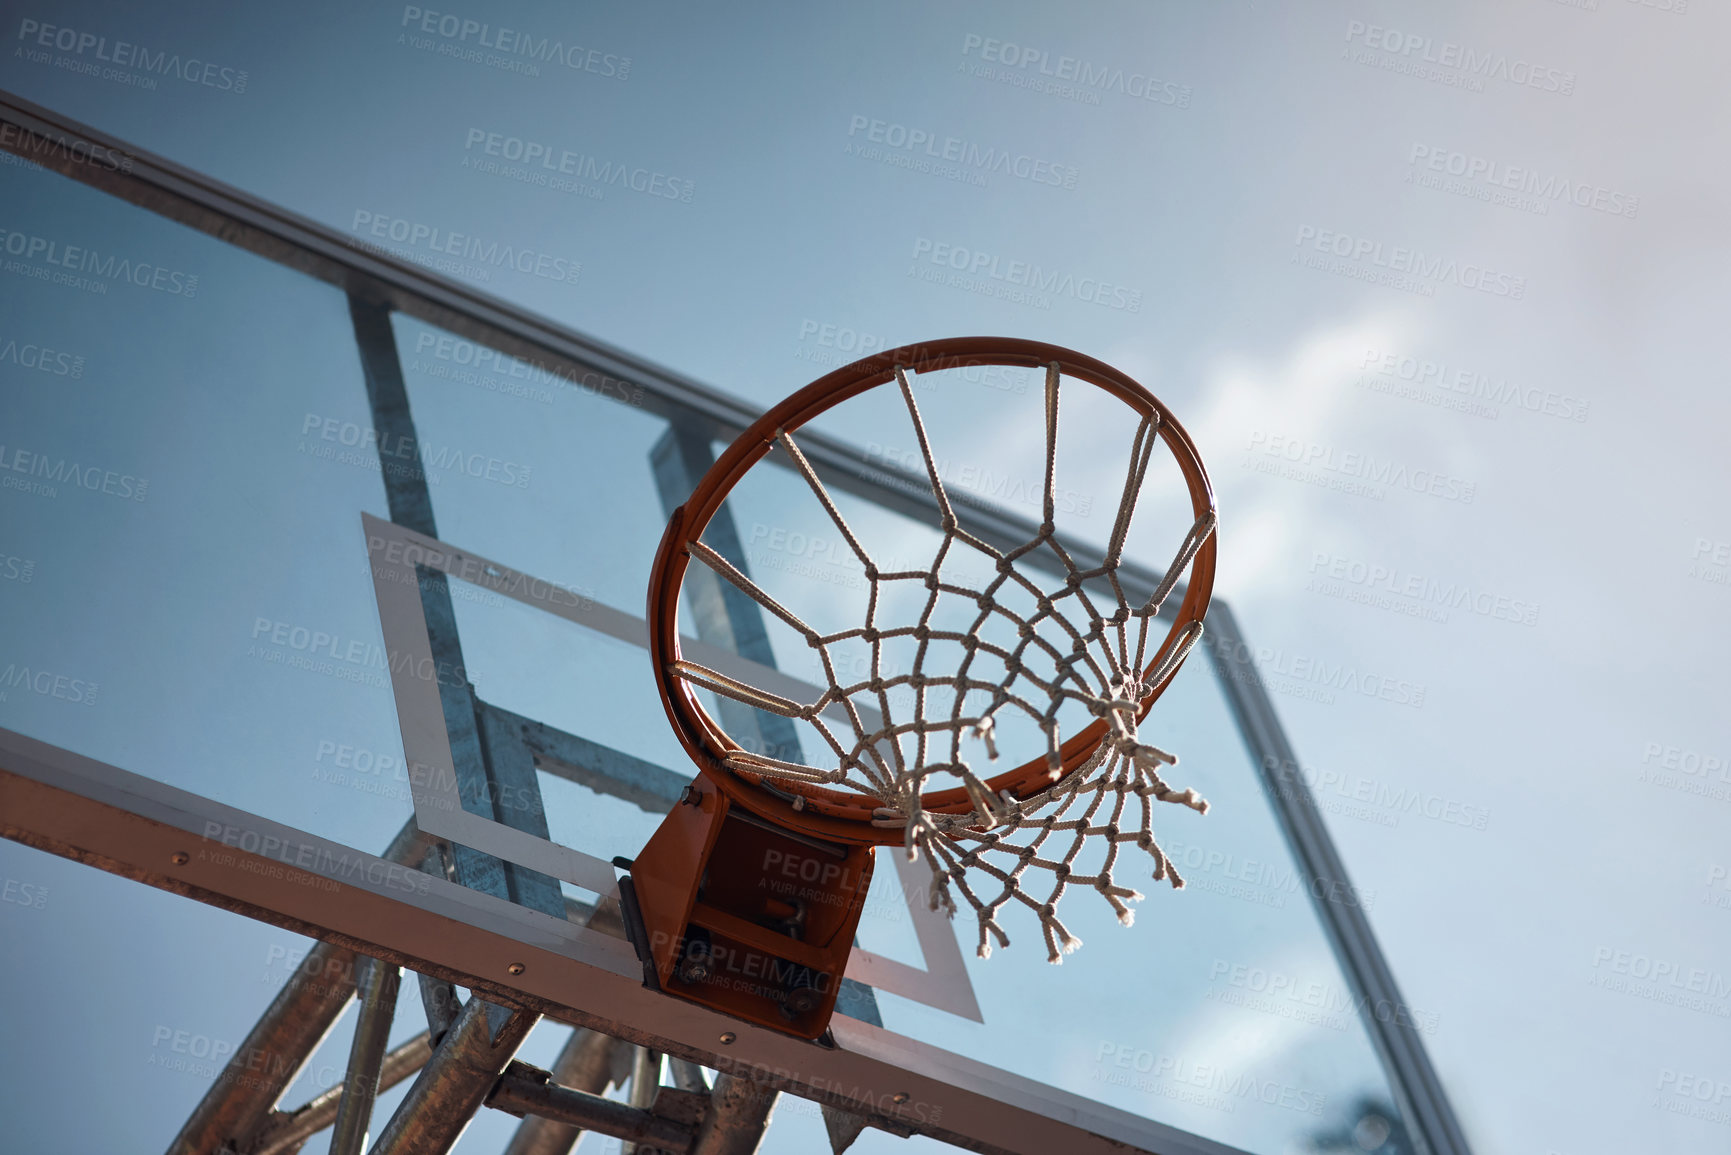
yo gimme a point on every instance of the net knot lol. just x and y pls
(986, 731)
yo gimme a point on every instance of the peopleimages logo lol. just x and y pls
(45, 144)
(981, 271)
(1694, 1096)
(332, 864)
(1267, 661)
(1703, 774)
(1448, 62)
(1402, 267)
(826, 343)
(1661, 980)
(1120, 1064)
(970, 156)
(47, 683)
(1320, 1004)
(1469, 384)
(122, 54)
(542, 158)
(1272, 876)
(460, 32)
(44, 258)
(459, 355)
(467, 247)
(1374, 584)
(1068, 76)
(41, 358)
(1711, 561)
(414, 458)
(1325, 787)
(1490, 180)
(20, 469)
(1352, 471)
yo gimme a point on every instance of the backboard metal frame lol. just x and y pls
(397, 556)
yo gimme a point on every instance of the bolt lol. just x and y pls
(727, 1038)
(180, 858)
(516, 969)
(900, 1097)
(800, 1001)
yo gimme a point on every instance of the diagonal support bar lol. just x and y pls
(285, 1132)
(275, 1050)
(372, 1034)
(454, 1084)
(738, 1116)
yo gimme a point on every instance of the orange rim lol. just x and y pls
(846, 816)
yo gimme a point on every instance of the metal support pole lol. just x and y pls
(738, 1116)
(275, 1050)
(687, 1076)
(645, 1081)
(454, 1084)
(495, 773)
(442, 1004)
(372, 1033)
(584, 1064)
(284, 1132)
(520, 1093)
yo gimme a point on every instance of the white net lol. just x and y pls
(898, 737)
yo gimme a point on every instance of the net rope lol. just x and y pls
(1024, 849)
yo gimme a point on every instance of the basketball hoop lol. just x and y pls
(1096, 784)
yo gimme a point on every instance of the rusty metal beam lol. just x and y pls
(275, 1050)
(378, 990)
(645, 1081)
(738, 1116)
(126, 824)
(524, 1090)
(284, 1132)
(454, 1084)
(584, 1064)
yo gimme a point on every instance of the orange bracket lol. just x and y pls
(745, 917)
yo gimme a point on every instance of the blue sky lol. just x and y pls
(1336, 246)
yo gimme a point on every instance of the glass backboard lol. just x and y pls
(324, 569)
